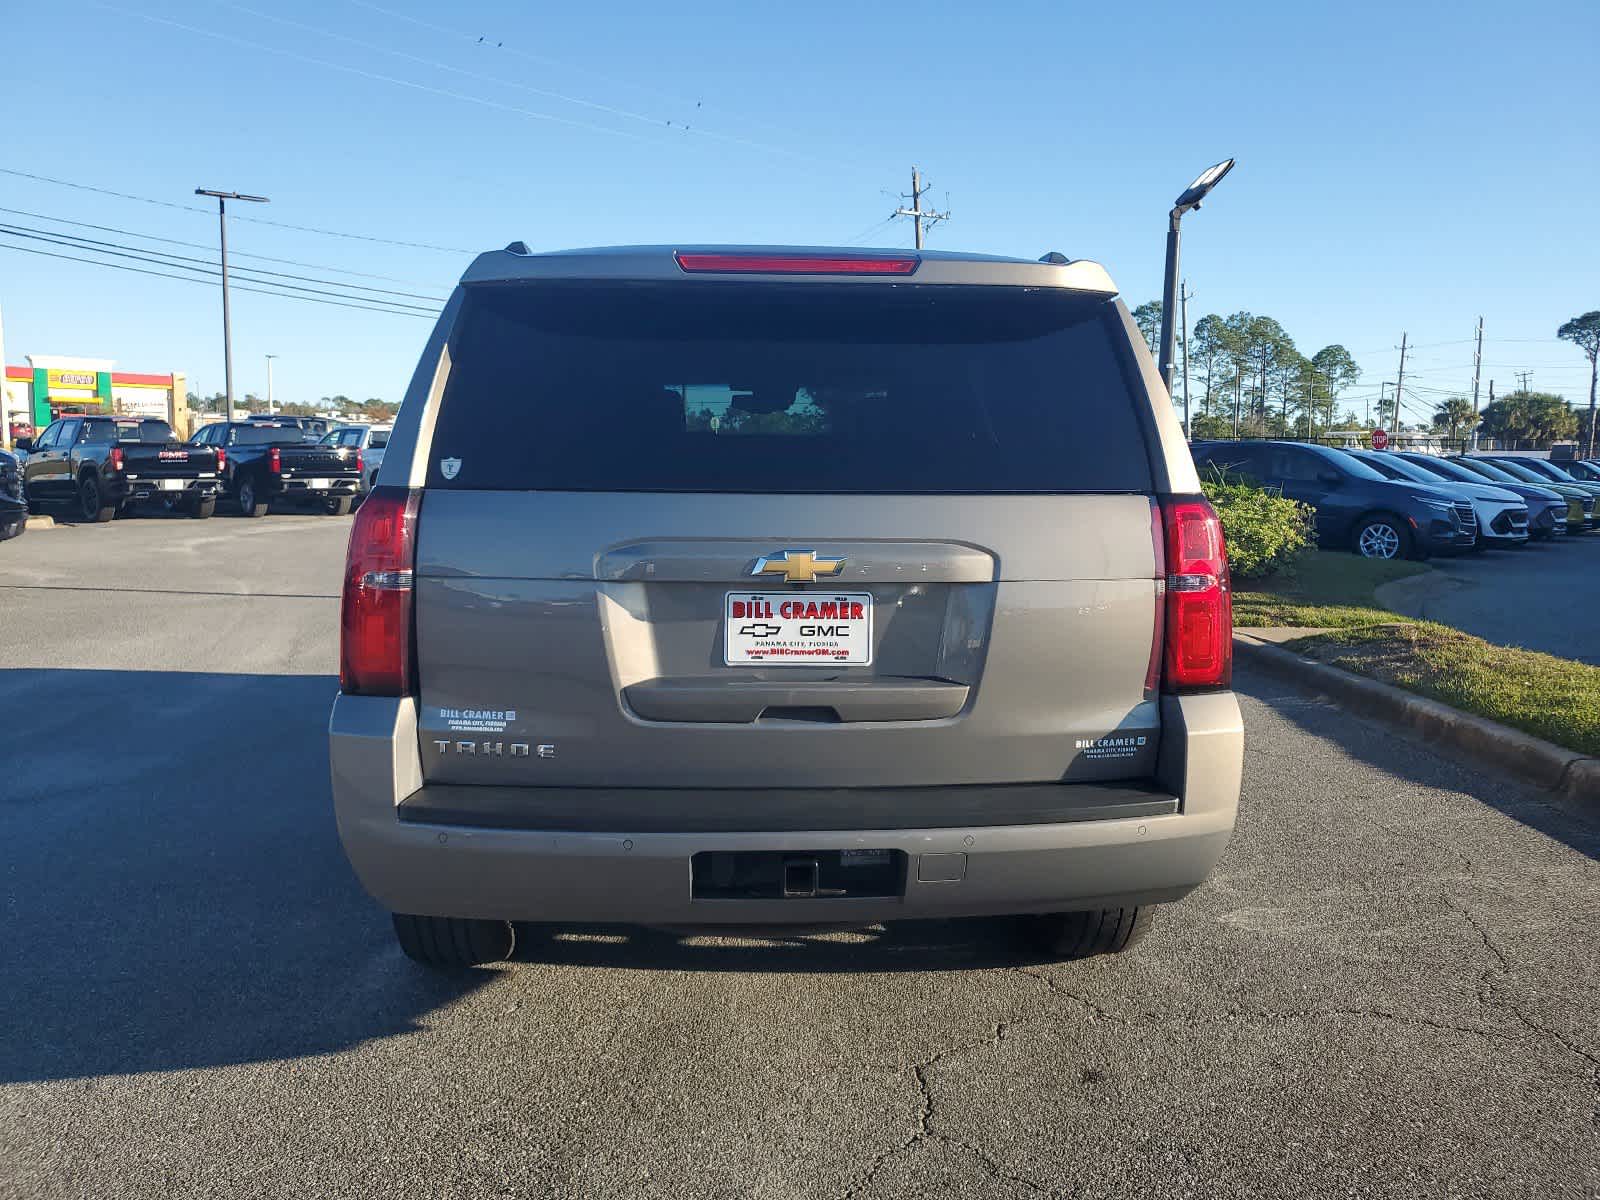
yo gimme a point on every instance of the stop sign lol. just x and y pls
(1380, 439)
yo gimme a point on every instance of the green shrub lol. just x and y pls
(1265, 533)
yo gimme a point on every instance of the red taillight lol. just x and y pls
(1198, 636)
(375, 611)
(275, 461)
(116, 458)
(797, 264)
(361, 463)
(222, 458)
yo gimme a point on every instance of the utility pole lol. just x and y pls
(1399, 384)
(1184, 297)
(270, 409)
(1477, 369)
(227, 331)
(1523, 379)
(916, 212)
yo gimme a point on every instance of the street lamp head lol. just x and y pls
(230, 195)
(1201, 187)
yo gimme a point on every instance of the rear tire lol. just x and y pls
(203, 508)
(14, 529)
(1383, 536)
(453, 943)
(91, 503)
(339, 506)
(1072, 935)
(251, 504)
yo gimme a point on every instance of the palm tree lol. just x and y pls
(1453, 414)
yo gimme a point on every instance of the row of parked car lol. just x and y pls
(1407, 504)
(97, 467)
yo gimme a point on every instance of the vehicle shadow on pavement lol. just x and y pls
(175, 895)
(1401, 754)
(914, 946)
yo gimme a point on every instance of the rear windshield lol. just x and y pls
(263, 435)
(799, 388)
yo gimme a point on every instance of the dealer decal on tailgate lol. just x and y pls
(777, 629)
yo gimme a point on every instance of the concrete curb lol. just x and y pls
(40, 521)
(1573, 777)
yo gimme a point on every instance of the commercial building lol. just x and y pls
(51, 385)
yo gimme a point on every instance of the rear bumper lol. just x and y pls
(162, 489)
(290, 488)
(449, 868)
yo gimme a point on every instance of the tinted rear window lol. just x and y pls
(801, 388)
(265, 435)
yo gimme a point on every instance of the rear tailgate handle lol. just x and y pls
(746, 702)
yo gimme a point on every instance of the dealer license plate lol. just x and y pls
(797, 629)
(319, 484)
(172, 485)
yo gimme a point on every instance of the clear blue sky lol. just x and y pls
(1403, 166)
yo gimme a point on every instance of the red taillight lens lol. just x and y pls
(116, 458)
(222, 458)
(361, 463)
(375, 611)
(1198, 636)
(797, 264)
(275, 460)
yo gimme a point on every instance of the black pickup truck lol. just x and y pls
(266, 461)
(108, 464)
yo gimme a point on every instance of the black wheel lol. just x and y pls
(13, 528)
(1070, 935)
(339, 506)
(91, 503)
(203, 507)
(250, 503)
(1383, 536)
(453, 943)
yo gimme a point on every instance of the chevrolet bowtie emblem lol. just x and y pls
(798, 566)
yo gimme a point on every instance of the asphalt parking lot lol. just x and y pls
(1390, 987)
(1540, 596)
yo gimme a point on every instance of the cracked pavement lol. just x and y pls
(1389, 988)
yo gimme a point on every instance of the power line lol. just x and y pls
(361, 237)
(80, 242)
(150, 237)
(207, 283)
(434, 65)
(533, 114)
(160, 258)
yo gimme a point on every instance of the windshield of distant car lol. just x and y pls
(1550, 471)
(1518, 471)
(1441, 469)
(1485, 470)
(1349, 464)
(1385, 463)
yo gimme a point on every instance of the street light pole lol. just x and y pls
(270, 408)
(1191, 198)
(227, 331)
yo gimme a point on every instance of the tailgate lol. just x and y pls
(168, 462)
(320, 461)
(1010, 640)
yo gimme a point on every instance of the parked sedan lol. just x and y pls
(1580, 504)
(1547, 509)
(1356, 507)
(1502, 515)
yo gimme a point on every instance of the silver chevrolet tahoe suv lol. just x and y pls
(750, 586)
